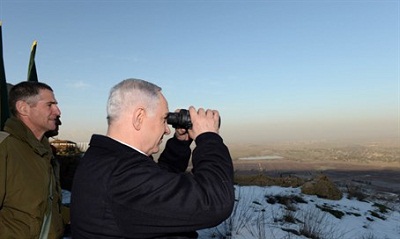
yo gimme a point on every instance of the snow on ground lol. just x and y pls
(282, 213)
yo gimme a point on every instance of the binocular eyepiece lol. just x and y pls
(181, 119)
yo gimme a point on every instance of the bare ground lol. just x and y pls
(379, 176)
(371, 165)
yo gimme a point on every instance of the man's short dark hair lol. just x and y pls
(24, 91)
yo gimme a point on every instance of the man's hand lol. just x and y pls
(203, 121)
(182, 134)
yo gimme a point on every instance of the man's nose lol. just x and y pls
(57, 110)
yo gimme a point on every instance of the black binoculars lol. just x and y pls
(181, 119)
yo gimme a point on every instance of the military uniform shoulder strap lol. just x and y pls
(3, 135)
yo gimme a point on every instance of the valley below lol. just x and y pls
(368, 165)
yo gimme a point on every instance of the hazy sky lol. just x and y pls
(276, 70)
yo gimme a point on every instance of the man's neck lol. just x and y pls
(36, 132)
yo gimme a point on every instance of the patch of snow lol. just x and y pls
(257, 216)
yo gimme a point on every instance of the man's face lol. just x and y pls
(43, 115)
(157, 126)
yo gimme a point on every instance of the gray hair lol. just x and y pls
(130, 92)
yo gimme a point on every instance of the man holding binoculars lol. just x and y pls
(119, 191)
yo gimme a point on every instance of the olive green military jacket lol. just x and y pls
(26, 176)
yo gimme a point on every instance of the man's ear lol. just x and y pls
(138, 117)
(22, 107)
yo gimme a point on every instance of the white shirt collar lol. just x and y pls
(130, 146)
